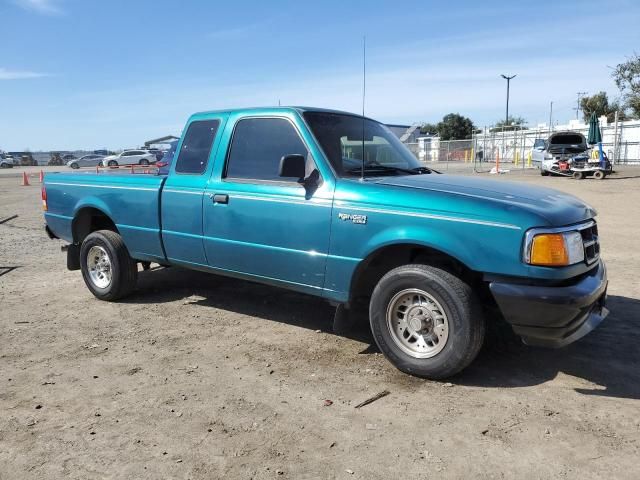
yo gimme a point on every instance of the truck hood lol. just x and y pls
(558, 208)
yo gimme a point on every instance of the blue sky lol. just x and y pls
(91, 74)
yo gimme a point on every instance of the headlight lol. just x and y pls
(553, 249)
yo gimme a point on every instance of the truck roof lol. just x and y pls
(287, 109)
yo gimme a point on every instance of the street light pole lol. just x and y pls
(508, 79)
(506, 122)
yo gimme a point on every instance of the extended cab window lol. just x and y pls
(196, 146)
(258, 145)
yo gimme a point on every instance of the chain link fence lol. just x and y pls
(513, 148)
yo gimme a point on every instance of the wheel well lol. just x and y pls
(377, 264)
(89, 220)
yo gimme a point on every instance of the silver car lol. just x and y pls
(129, 157)
(558, 147)
(91, 160)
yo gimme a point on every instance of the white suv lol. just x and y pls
(129, 157)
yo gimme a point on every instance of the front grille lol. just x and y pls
(591, 242)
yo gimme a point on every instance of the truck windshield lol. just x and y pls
(341, 138)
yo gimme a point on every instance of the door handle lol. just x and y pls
(220, 198)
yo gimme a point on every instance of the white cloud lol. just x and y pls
(20, 74)
(44, 7)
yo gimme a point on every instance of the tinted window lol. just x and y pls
(259, 144)
(196, 146)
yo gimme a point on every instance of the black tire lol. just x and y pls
(75, 166)
(144, 161)
(112, 163)
(544, 173)
(465, 320)
(578, 175)
(124, 270)
(599, 175)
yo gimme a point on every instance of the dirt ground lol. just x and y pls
(198, 376)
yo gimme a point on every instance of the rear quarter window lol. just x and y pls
(196, 147)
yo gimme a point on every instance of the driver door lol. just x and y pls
(262, 225)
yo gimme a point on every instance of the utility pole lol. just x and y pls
(508, 79)
(551, 117)
(580, 95)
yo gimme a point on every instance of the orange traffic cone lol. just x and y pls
(25, 180)
(41, 176)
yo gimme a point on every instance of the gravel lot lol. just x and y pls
(198, 376)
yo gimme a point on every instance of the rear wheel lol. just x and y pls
(578, 175)
(108, 270)
(426, 321)
(144, 161)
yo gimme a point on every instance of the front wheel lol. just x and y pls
(75, 166)
(544, 173)
(599, 175)
(426, 321)
(144, 161)
(108, 270)
(112, 163)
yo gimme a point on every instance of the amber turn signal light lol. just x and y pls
(549, 249)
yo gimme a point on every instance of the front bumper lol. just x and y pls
(554, 316)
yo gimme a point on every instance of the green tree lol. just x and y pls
(627, 78)
(429, 128)
(599, 104)
(512, 123)
(454, 126)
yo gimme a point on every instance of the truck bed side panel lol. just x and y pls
(130, 200)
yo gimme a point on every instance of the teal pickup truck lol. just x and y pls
(332, 204)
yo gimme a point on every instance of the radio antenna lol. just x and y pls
(364, 90)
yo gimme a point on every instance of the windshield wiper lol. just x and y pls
(425, 170)
(387, 168)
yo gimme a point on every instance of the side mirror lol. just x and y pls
(293, 165)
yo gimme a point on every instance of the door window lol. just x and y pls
(196, 147)
(259, 144)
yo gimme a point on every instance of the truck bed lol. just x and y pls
(132, 200)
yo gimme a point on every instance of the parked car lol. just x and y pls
(91, 160)
(284, 196)
(55, 160)
(6, 162)
(27, 160)
(129, 157)
(559, 147)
